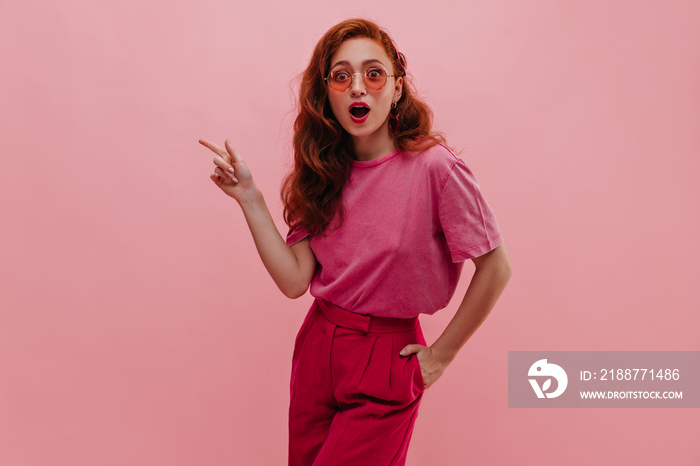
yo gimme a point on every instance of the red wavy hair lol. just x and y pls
(311, 191)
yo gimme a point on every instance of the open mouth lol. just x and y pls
(359, 112)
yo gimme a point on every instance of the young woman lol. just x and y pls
(382, 216)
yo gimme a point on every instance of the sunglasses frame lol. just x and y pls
(363, 74)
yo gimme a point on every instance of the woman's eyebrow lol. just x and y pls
(366, 62)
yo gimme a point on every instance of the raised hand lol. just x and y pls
(231, 173)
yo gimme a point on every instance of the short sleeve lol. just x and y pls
(296, 234)
(466, 219)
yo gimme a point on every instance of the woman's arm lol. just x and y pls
(493, 271)
(290, 268)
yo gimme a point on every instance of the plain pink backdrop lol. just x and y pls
(138, 325)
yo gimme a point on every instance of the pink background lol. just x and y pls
(138, 325)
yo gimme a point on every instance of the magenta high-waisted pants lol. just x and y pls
(354, 398)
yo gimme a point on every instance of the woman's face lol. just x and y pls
(358, 55)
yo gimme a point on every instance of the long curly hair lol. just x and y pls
(311, 190)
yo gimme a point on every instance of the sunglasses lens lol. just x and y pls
(339, 80)
(374, 78)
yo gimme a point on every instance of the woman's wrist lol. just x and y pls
(252, 197)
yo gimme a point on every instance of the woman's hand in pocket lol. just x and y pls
(432, 363)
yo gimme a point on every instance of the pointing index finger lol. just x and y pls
(218, 150)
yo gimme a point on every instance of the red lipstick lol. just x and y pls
(359, 112)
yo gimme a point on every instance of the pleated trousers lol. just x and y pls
(353, 398)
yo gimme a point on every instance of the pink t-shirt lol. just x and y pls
(411, 219)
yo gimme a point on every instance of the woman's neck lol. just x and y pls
(373, 146)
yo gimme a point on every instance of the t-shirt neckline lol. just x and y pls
(378, 160)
